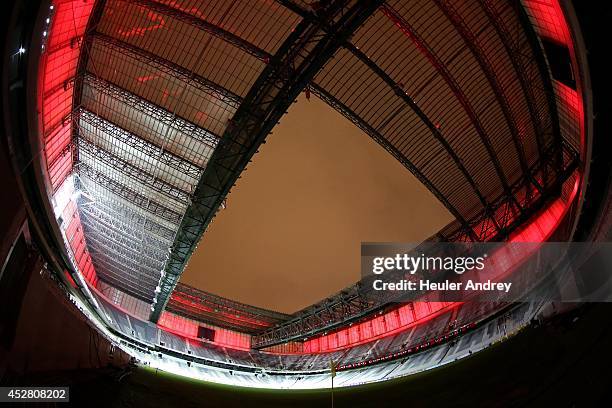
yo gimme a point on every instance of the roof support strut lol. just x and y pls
(296, 62)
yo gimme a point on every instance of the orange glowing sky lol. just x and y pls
(291, 233)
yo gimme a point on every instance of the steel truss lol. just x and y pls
(130, 222)
(145, 178)
(350, 304)
(171, 69)
(473, 43)
(204, 26)
(115, 266)
(430, 54)
(356, 302)
(155, 112)
(211, 316)
(294, 65)
(149, 149)
(128, 194)
(113, 278)
(120, 222)
(106, 246)
(118, 239)
(528, 180)
(202, 306)
(520, 63)
(533, 42)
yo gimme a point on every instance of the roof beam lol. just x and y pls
(137, 174)
(301, 55)
(228, 304)
(138, 143)
(214, 318)
(204, 26)
(122, 270)
(125, 241)
(118, 206)
(130, 195)
(150, 109)
(129, 222)
(430, 54)
(129, 288)
(116, 221)
(520, 63)
(377, 136)
(169, 68)
(476, 49)
(105, 245)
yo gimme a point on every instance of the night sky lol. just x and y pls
(292, 231)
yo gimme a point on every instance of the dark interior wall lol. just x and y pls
(594, 18)
(14, 247)
(12, 207)
(40, 330)
(52, 335)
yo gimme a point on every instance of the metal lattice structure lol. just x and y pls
(146, 124)
(201, 306)
(170, 100)
(292, 67)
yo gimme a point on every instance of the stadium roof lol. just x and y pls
(152, 109)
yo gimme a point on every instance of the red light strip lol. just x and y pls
(58, 67)
(188, 328)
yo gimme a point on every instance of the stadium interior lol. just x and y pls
(186, 185)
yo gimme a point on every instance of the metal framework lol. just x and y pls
(487, 202)
(162, 116)
(160, 132)
(143, 146)
(134, 172)
(359, 300)
(198, 305)
(129, 194)
(442, 69)
(473, 43)
(205, 26)
(294, 65)
(170, 68)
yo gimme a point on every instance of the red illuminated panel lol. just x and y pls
(56, 143)
(387, 324)
(178, 325)
(61, 168)
(549, 20)
(546, 222)
(78, 246)
(232, 339)
(189, 328)
(418, 313)
(70, 280)
(58, 68)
